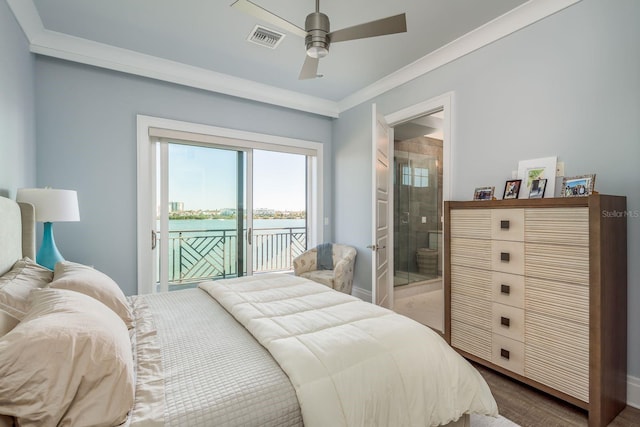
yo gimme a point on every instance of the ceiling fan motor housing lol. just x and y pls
(317, 40)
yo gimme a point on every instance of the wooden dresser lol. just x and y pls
(537, 289)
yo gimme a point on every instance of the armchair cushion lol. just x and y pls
(321, 276)
(339, 278)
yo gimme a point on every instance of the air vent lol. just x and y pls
(265, 37)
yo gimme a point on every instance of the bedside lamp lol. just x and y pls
(51, 206)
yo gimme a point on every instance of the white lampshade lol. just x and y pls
(51, 205)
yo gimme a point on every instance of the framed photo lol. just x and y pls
(483, 193)
(537, 188)
(512, 189)
(543, 168)
(578, 186)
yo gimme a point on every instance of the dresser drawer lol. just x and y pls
(472, 311)
(508, 353)
(507, 257)
(557, 226)
(507, 321)
(507, 289)
(557, 354)
(471, 223)
(471, 339)
(507, 224)
(471, 282)
(557, 300)
(471, 252)
(555, 262)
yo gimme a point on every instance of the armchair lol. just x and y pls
(340, 278)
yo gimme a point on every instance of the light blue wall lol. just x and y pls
(86, 131)
(568, 85)
(17, 121)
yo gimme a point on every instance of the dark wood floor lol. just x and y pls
(531, 408)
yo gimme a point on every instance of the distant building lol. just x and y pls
(176, 206)
(227, 212)
(264, 212)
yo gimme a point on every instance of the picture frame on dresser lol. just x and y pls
(578, 186)
(537, 188)
(542, 168)
(512, 189)
(483, 193)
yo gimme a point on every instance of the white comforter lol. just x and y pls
(353, 363)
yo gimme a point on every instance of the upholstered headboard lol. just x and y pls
(17, 233)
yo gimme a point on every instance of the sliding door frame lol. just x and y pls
(150, 129)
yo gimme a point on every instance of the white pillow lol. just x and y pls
(89, 281)
(17, 283)
(68, 362)
(7, 323)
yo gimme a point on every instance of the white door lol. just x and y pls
(381, 281)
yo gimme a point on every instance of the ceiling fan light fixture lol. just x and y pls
(317, 51)
(317, 41)
(317, 32)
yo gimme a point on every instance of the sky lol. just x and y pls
(205, 178)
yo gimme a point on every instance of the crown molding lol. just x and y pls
(512, 21)
(63, 46)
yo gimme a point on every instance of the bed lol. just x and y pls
(268, 350)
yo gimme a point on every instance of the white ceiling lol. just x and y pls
(203, 43)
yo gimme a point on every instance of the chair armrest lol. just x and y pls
(343, 274)
(305, 262)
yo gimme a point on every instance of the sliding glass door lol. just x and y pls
(225, 212)
(219, 203)
(201, 207)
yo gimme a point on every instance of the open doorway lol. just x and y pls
(417, 219)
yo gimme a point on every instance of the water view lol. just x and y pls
(202, 249)
(230, 224)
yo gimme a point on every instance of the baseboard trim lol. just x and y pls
(363, 294)
(633, 391)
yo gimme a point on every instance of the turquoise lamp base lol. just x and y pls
(48, 255)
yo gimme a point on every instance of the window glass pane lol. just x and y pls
(205, 233)
(420, 177)
(279, 209)
(406, 175)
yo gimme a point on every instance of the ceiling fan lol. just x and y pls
(317, 34)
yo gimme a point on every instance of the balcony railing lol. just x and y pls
(197, 255)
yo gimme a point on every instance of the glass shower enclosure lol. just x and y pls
(417, 211)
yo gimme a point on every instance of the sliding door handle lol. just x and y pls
(249, 236)
(154, 239)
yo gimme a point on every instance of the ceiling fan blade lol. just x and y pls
(391, 25)
(309, 68)
(263, 14)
